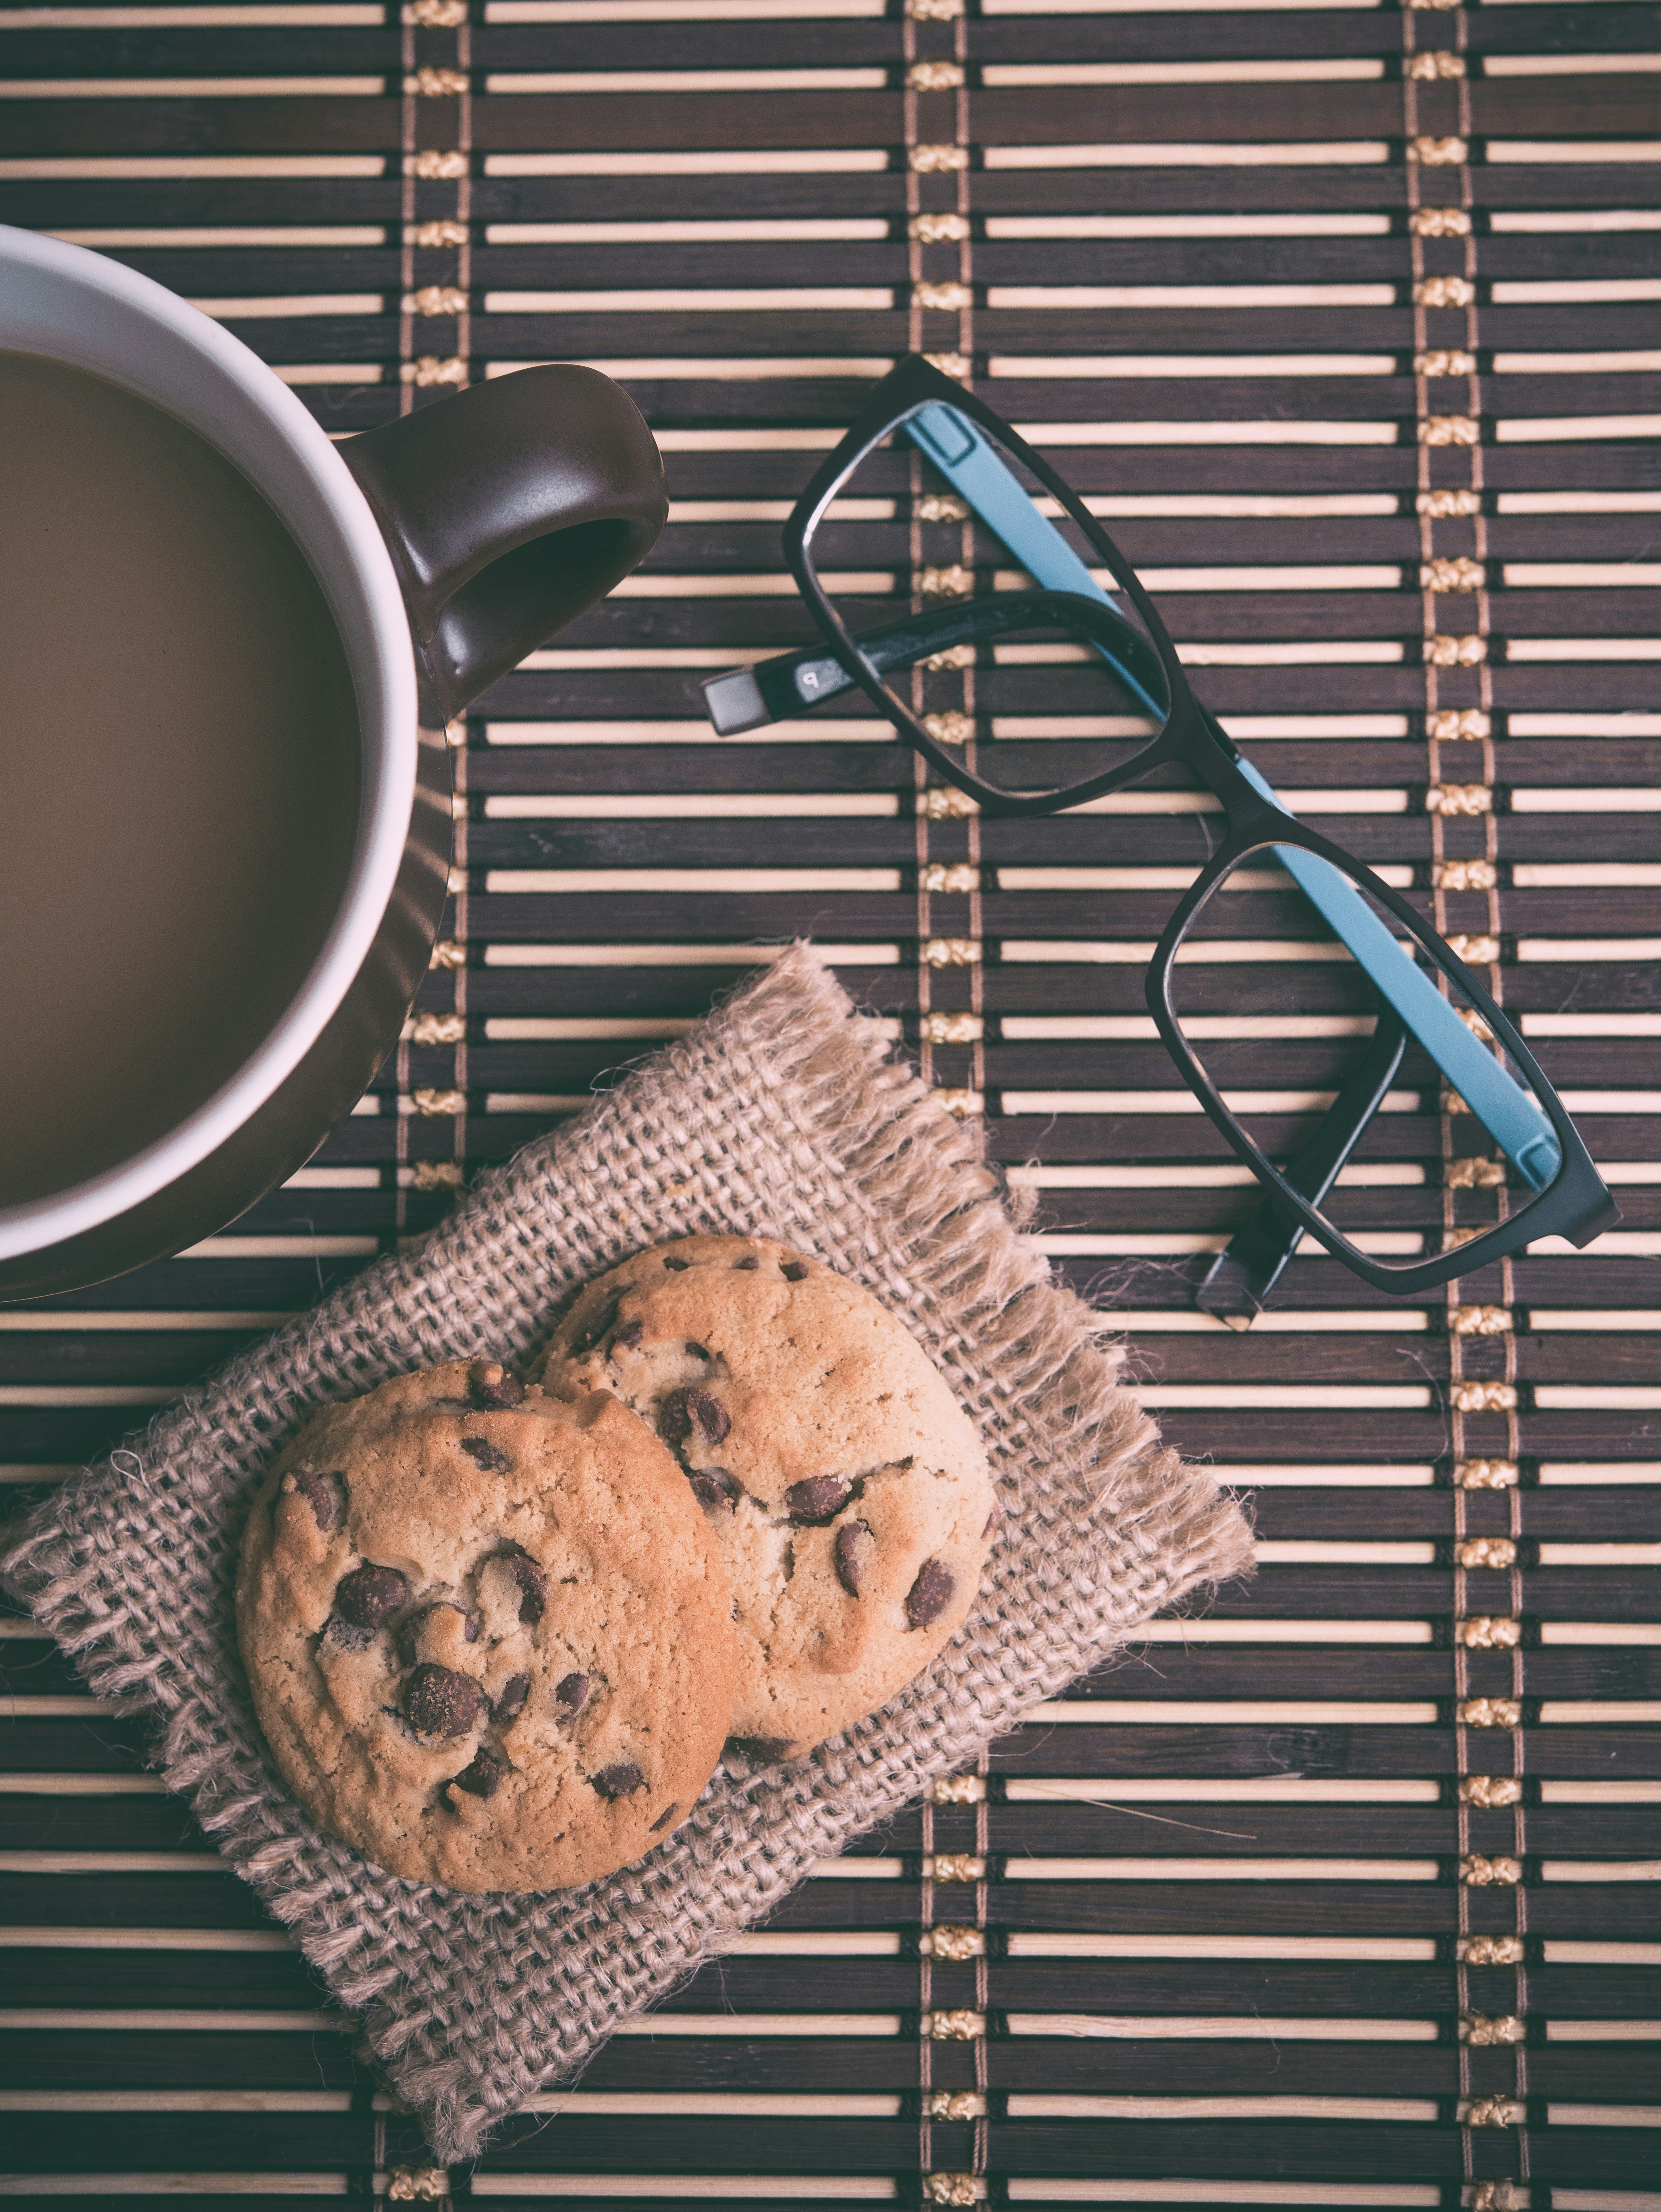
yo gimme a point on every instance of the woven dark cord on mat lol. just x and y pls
(783, 1114)
(940, 323)
(1458, 710)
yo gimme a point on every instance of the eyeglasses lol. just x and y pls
(1340, 978)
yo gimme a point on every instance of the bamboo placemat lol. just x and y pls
(1345, 1894)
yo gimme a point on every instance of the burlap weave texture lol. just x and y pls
(782, 1115)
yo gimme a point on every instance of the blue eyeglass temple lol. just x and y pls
(1510, 1114)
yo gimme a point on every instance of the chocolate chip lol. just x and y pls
(595, 1327)
(992, 1520)
(676, 1267)
(347, 1635)
(438, 1701)
(510, 1703)
(698, 1350)
(714, 1486)
(484, 1454)
(766, 1750)
(742, 1266)
(930, 1594)
(484, 1778)
(491, 1387)
(409, 1630)
(793, 1270)
(819, 1499)
(532, 1581)
(629, 1335)
(852, 1553)
(369, 1596)
(682, 1410)
(662, 1820)
(618, 1781)
(572, 1694)
(324, 1493)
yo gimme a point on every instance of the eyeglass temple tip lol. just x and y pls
(1232, 1293)
(733, 702)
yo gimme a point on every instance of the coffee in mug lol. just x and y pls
(182, 773)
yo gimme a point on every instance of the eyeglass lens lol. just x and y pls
(1282, 1016)
(944, 516)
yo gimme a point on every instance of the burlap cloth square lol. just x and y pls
(783, 1114)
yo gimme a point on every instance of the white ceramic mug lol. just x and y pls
(447, 544)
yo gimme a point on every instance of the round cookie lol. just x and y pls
(487, 1634)
(846, 1486)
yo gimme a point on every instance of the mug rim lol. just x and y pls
(67, 303)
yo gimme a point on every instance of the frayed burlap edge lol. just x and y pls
(782, 1115)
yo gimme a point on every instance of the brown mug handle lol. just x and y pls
(508, 510)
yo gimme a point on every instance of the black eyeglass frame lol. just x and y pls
(1577, 1203)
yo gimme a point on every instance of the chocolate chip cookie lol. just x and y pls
(489, 1635)
(846, 1487)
